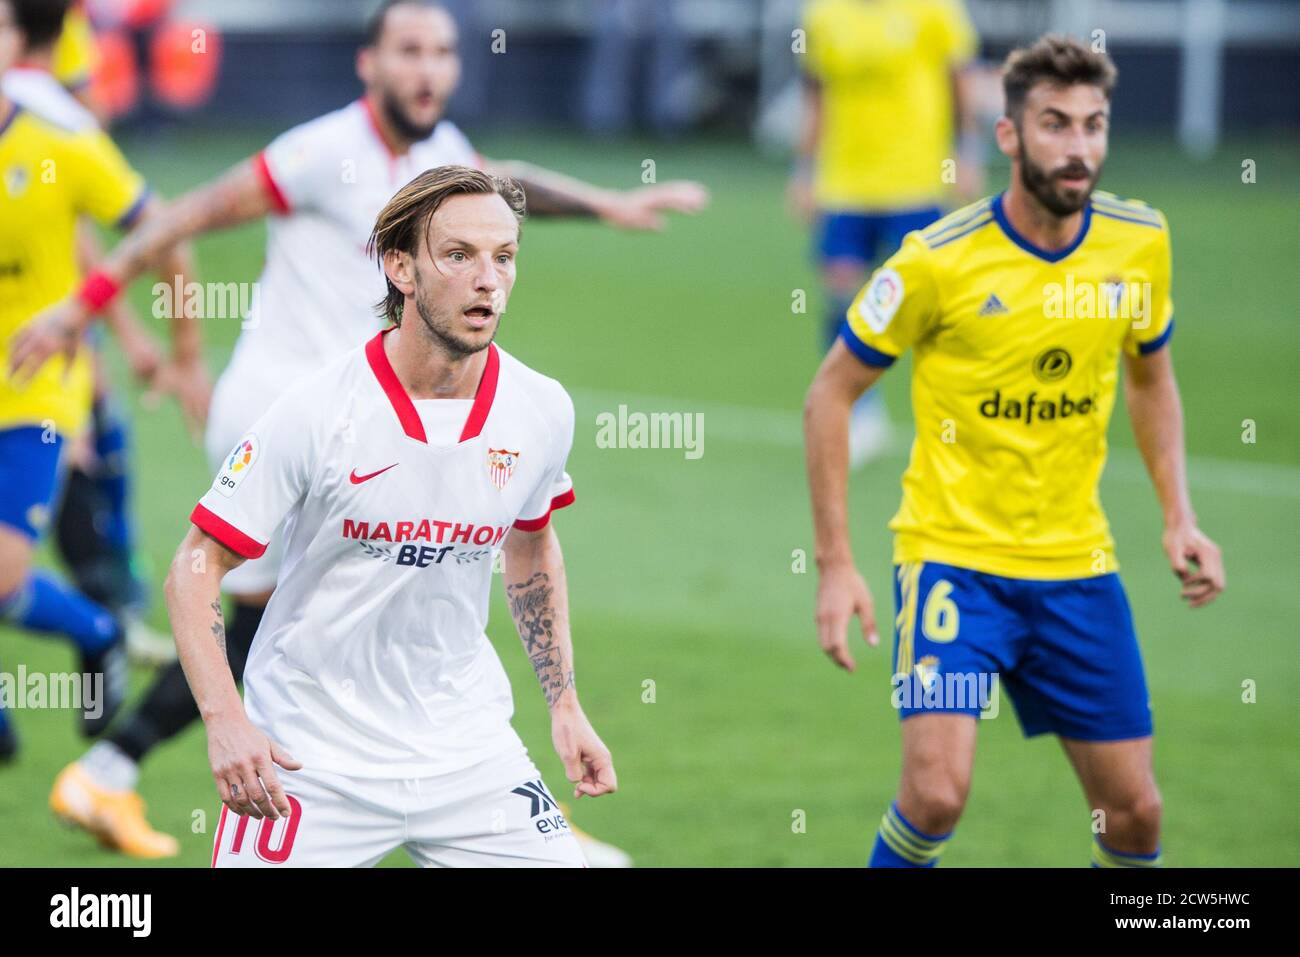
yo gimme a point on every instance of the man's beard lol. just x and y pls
(454, 346)
(396, 116)
(1040, 184)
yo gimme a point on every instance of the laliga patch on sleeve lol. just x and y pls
(237, 465)
(881, 300)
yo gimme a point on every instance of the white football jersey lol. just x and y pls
(371, 659)
(328, 178)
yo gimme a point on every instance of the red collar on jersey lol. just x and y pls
(374, 128)
(405, 408)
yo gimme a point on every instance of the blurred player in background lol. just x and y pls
(51, 174)
(882, 82)
(73, 63)
(401, 469)
(94, 525)
(1005, 568)
(320, 186)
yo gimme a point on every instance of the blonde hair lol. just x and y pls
(405, 219)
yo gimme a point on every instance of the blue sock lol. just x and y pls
(112, 477)
(1103, 856)
(900, 844)
(45, 604)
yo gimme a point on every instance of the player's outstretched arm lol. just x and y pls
(539, 603)
(1156, 410)
(141, 350)
(243, 758)
(237, 197)
(841, 591)
(553, 194)
(184, 374)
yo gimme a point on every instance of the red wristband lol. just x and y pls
(98, 290)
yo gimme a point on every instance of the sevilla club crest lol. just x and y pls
(501, 465)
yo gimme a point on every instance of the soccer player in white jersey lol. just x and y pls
(320, 186)
(399, 472)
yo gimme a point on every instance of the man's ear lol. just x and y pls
(399, 267)
(365, 66)
(1008, 137)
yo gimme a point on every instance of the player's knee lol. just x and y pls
(1146, 811)
(935, 804)
(1138, 817)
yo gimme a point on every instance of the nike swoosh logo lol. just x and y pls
(356, 479)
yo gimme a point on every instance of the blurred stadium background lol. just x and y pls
(686, 573)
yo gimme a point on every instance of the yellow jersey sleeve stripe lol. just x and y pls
(1126, 218)
(954, 220)
(1109, 197)
(952, 237)
(1137, 211)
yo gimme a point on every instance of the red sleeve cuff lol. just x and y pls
(225, 533)
(537, 524)
(278, 199)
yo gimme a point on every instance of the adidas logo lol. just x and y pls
(993, 306)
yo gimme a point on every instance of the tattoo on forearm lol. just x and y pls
(533, 610)
(219, 628)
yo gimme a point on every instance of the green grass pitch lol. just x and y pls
(681, 571)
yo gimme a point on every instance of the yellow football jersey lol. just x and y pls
(1015, 366)
(885, 70)
(74, 51)
(48, 177)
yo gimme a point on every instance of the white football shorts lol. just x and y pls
(495, 814)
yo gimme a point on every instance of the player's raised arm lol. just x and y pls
(841, 590)
(554, 194)
(1156, 410)
(539, 604)
(243, 758)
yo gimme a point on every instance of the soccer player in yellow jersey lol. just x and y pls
(93, 526)
(1018, 310)
(49, 176)
(883, 80)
